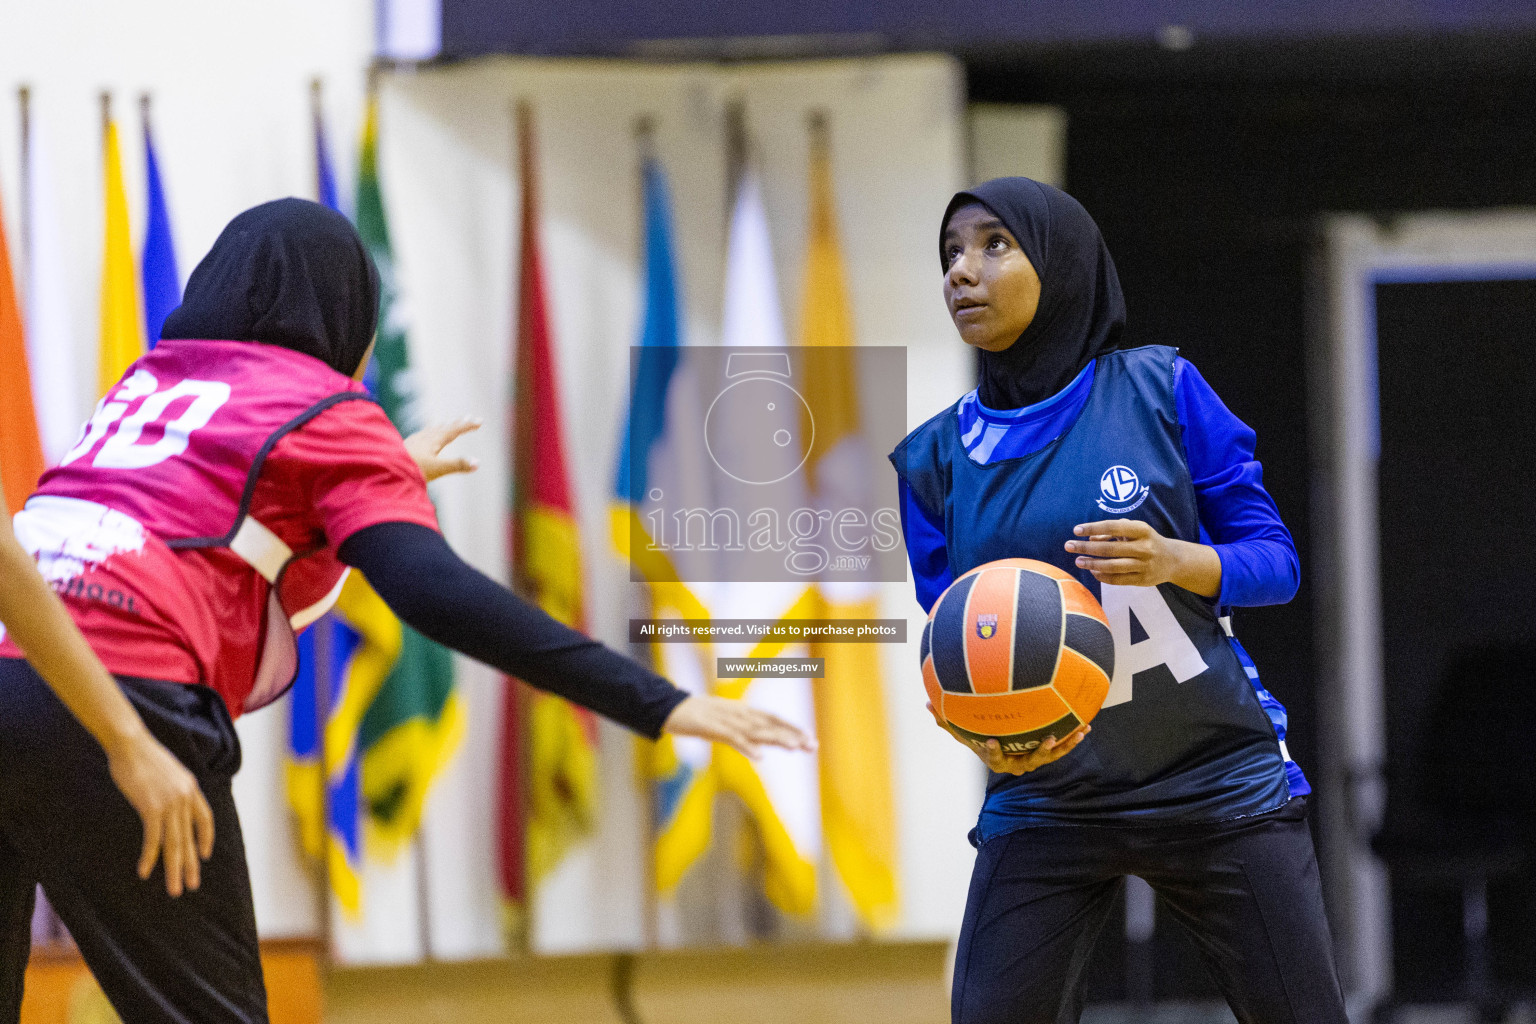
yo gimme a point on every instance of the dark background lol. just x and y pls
(1207, 171)
(795, 27)
(1454, 474)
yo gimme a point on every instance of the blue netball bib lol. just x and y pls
(1182, 736)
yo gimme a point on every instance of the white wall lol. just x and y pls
(230, 82)
(1010, 139)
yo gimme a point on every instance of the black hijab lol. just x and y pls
(289, 273)
(1081, 312)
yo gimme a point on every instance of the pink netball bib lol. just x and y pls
(175, 449)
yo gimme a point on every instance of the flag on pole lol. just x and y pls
(857, 805)
(325, 175)
(551, 739)
(645, 424)
(56, 389)
(780, 790)
(21, 451)
(683, 786)
(122, 326)
(360, 646)
(365, 644)
(415, 722)
(303, 769)
(392, 716)
(362, 639)
(302, 774)
(162, 283)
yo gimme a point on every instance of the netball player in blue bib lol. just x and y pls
(1121, 466)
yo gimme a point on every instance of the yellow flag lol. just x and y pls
(857, 804)
(122, 325)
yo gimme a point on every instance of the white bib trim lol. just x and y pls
(261, 549)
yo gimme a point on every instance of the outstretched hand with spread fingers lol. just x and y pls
(736, 724)
(427, 444)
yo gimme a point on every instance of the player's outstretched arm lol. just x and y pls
(736, 724)
(436, 593)
(177, 819)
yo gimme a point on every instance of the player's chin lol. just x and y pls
(982, 335)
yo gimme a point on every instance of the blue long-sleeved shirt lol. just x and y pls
(1237, 516)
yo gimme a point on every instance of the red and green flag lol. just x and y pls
(549, 746)
(414, 723)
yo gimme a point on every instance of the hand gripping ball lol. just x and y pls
(1017, 650)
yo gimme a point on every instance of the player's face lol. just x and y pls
(991, 288)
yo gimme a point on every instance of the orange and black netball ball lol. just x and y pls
(1017, 650)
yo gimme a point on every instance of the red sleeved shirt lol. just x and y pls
(199, 615)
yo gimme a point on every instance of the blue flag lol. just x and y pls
(162, 284)
(659, 337)
(682, 785)
(327, 194)
(325, 177)
(323, 770)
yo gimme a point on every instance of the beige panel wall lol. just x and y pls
(897, 135)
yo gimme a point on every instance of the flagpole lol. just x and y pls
(816, 124)
(736, 153)
(645, 143)
(645, 140)
(24, 292)
(316, 111)
(323, 677)
(826, 874)
(741, 904)
(418, 839)
(517, 695)
(24, 222)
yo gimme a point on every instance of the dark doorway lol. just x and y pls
(1208, 171)
(1456, 364)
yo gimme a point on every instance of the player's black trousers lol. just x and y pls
(189, 960)
(1247, 891)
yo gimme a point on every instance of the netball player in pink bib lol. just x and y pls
(210, 510)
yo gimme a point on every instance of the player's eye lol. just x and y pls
(997, 243)
(952, 253)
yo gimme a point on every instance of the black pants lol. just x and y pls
(1247, 891)
(65, 825)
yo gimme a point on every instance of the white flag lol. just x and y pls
(792, 806)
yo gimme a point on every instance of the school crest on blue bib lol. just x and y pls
(1120, 490)
(986, 625)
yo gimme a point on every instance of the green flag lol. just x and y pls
(414, 724)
